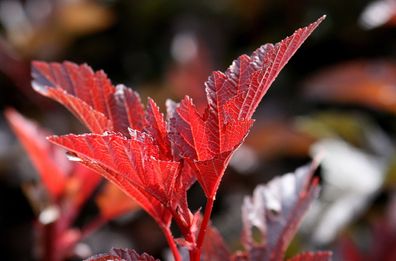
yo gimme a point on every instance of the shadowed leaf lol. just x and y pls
(118, 254)
(313, 256)
(276, 210)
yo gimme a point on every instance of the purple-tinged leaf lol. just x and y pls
(276, 210)
(313, 256)
(118, 254)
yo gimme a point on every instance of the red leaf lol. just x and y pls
(182, 183)
(232, 98)
(156, 127)
(45, 157)
(313, 256)
(133, 158)
(215, 167)
(65, 181)
(189, 131)
(118, 254)
(276, 210)
(214, 248)
(249, 77)
(90, 96)
(94, 120)
(157, 163)
(150, 204)
(129, 163)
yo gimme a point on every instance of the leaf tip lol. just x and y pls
(39, 82)
(318, 21)
(52, 138)
(36, 63)
(10, 112)
(151, 102)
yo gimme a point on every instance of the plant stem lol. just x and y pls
(171, 243)
(202, 229)
(92, 227)
(51, 242)
(186, 232)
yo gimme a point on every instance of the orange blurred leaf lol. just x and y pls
(113, 202)
(367, 83)
(272, 139)
(83, 17)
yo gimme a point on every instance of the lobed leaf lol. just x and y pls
(153, 160)
(129, 164)
(232, 98)
(132, 158)
(90, 96)
(103, 108)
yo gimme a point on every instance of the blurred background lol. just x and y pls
(337, 97)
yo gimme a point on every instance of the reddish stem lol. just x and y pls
(92, 227)
(171, 243)
(50, 242)
(188, 236)
(202, 230)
